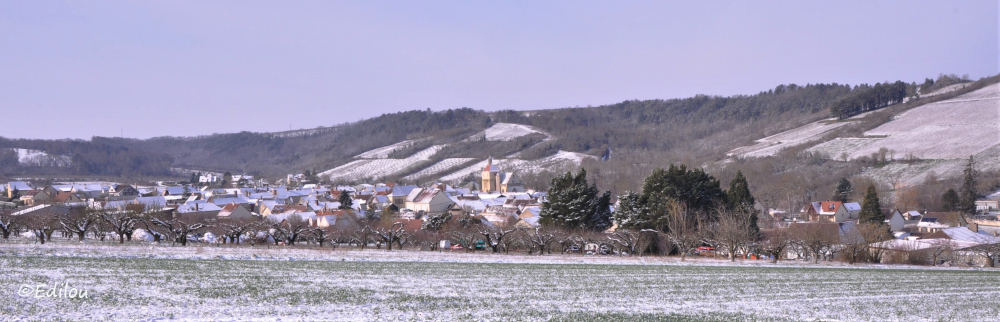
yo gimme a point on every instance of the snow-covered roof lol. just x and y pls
(403, 190)
(19, 185)
(197, 207)
(964, 234)
(852, 206)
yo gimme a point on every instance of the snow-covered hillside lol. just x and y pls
(505, 132)
(943, 134)
(550, 162)
(383, 152)
(39, 158)
(951, 129)
(374, 168)
(773, 144)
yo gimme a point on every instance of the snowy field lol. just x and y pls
(238, 284)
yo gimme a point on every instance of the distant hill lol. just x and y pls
(763, 134)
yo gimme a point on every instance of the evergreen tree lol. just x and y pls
(871, 211)
(628, 215)
(227, 178)
(844, 190)
(699, 191)
(950, 200)
(742, 202)
(572, 203)
(195, 177)
(345, 200)
(967, 200)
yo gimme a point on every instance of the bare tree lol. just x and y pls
(392, 234)
(291, 228)
(775, 242)
(179, 228)
(989, 250)
(732, 232)
(121, 221)
(494, 235)
(682, 229)
(232, 230)
(627, 240)
(320, 235)
(78, 221)
(42, 225)
(8, 224)
(816, 238)
(540, 238)
(362, 236)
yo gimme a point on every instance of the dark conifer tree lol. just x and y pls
(967, 203)
(871, 211)
(843, 191)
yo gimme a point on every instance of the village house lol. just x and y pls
(832, 211)
(428, 200)
(235, 211)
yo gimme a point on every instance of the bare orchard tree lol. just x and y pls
(232, 230)
(122, 221)
(78, 221)
(179, 228)
(256, 232)
(291, 228)
(146, 220)
(320, 235)
(815, 238)
(392, 233)
(732, 232)
(627, 241)
(362, 236)
(775, 242)
(494, 234)
(42, 225)
(682, 229)
(539, 238)
(8, 224)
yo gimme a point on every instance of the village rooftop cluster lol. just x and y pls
(495, 214)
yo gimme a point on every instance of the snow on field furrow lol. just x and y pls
(438, 167)
(505, 132)
(383, 152)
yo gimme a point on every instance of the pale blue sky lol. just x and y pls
(76, 69)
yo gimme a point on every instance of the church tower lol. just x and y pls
(491, 177)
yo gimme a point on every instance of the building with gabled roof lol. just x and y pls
(429, 200)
